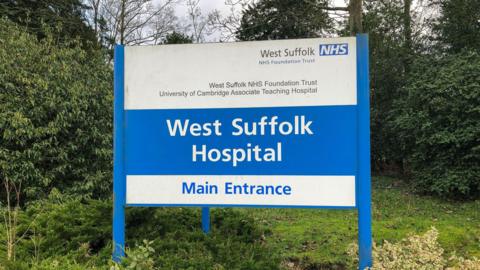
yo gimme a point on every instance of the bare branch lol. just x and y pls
(136, 21)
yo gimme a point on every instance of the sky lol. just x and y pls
(208, 6)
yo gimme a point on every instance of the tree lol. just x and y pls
(407, 34)
(67, 16)
(96, 20)
(396, 37)
(55, 117)
(54, 122)
(355, 16)
(436, 121)
(176, 38)
(458, 27)
(281, 19)
(135, 22)
(197, 23)
(387, 76)
(227, 25)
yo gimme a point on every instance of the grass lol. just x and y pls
(304, 238)
(316, 238)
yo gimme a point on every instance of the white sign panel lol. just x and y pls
(270, 123)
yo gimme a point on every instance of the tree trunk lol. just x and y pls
(122, 23)
(407, 31)
(355, 16)
(95, 6)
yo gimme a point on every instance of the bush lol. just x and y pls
(235, 241)
(80, 228)
(464, 264)
(414, 253)
(437, 123)
(61, 230)
(52, 263)
(77, 233)
(55, 115)
(139, 258)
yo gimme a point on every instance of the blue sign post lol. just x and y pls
(119, 178)
(250, 124)
(364, 180)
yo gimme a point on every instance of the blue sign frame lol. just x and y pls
(363, 179)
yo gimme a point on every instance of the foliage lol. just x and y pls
(177, 38)
(62, 233)
(408, 125)
(76, 233)
(458, 27)
(417, 252)
(139, 258)
(55, 115)
(437, 125)
(383, 21)
(281, 19)
(64, 226)
(235, 241)
(460, 263)
(413, 253)
(65, 15)
(318, 239)
(47, 264)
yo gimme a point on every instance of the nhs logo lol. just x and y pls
(333, 49)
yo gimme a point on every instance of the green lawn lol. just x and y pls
(304, 238)
(321, 237)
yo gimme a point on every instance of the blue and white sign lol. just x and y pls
(250, 123)
(270, 124)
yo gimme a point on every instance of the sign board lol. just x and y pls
(264, 124)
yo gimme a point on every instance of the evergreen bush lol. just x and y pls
(55, 115)
(438, 125)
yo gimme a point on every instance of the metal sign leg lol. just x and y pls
(206, 219)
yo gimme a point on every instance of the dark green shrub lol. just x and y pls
(55, 115)
(77, 232)
(69, 233)
(80, 229)
(438, 125)
(235, 241)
